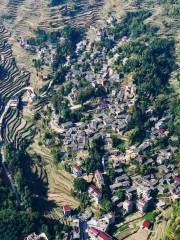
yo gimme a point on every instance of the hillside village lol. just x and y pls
(117, 142)
(110, 114)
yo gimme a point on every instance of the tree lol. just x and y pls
(37, 64)
(80, 185)
(56, 2)
(120, 193)
(59, 77)
(133, 135)
(96, 151)
(85, 94)
(116, 141)
(106, 205)
(122, 147)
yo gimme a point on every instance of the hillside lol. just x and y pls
(90, 119)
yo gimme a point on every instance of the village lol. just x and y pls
(156, 183)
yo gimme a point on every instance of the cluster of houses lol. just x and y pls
(29, 96)
(88, 227)
(111, 115)
(112, 111)
(46, 54)
(142, 194)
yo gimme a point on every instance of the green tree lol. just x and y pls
(80, 185)
(106, 205)
(120, 193)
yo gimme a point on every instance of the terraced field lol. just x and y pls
(21, 17)
(87, 16)
(60, 183)
(25, 15)
(13, 81)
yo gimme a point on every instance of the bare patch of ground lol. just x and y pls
(140, 234)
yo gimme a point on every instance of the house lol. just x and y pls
(95, 193)
(99, 178)
(175, 196)
(132, 191)
(56, 119)
(34, 236)
(143, 204)
(73, 95)
(114, 199)
(94, 123)
(150, 162)
(120, 207)
(125, 184)
(124, 39)
(146, 224)
(111, 20)
(177, 179)
(106, 221)
(76, 229)
(143, 191)
(31, 95)
(77, 170)
(162, 189)
(115, 186)
(122, 178)
(67, 210)
(119, 171)
(128, 206)
(131, 153)
(163, 157)
(67, 125)
(96, 234)
(103, 223)
(117, 162)
(162, 130)
(146, 145)
(161, 205)
(14, 101)
(100, 34)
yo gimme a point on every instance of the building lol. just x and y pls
(77, 170)
(161, 205)
(96, 234)
(124, 39)
(76, 229)
(95, 193)
(143, 205)
(31, 95)
(14, 101)
(99, 178)
(177, 179)
(34, 236)
(143, 191)
(128, 206)
(67, 125)
(67, 210)
(103, 223)
(146, 224)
